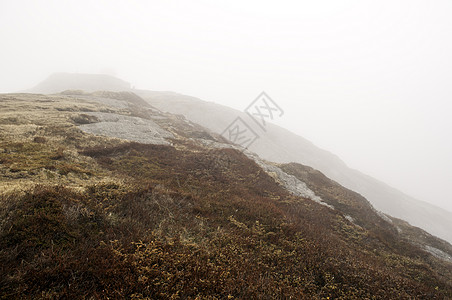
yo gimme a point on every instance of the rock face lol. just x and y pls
(130, 128)
(59, 82)
(290, 182)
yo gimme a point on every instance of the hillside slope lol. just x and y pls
(277, 144)
(280, 145)
(184, 214)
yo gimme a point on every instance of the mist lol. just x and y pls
(368, 81)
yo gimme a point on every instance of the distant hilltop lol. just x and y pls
(59, 82)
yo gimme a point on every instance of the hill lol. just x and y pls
(59, 82)
(104, 198)
(276, 144)
(280, 145)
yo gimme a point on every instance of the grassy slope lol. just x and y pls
(85, 216)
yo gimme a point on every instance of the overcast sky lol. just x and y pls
(370, 81)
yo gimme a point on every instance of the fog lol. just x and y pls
(367, 80)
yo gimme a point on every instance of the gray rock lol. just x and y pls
(128, 128)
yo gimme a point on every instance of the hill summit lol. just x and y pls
(59, 82)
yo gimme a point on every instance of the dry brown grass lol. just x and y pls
(84, 216)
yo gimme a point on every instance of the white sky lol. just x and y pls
(371, 81)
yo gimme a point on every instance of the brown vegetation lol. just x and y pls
(180, 222)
